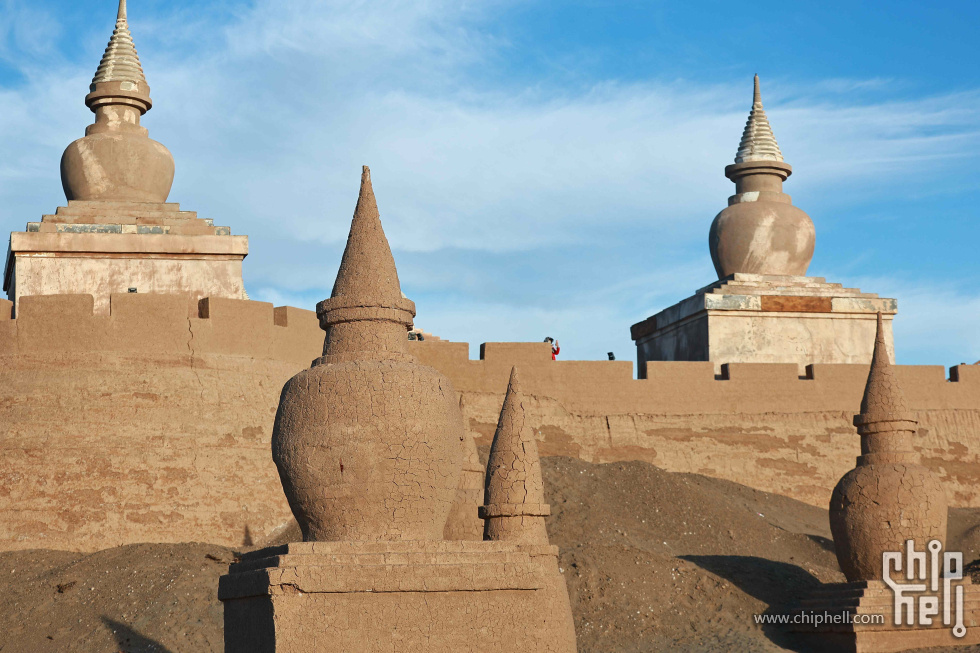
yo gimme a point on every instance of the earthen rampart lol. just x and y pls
(149, 424)
(762, 425)
(153, 423)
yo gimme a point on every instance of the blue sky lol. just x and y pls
(542, 167)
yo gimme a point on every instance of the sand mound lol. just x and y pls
(653, 561)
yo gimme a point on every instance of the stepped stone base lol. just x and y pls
(101, 248)
(862, 600)
(751, 318)
(369, 597)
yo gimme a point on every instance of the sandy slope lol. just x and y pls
(654, 561)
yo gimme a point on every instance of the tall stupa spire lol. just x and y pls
(120, 63)
(119, 78)
(758, 142)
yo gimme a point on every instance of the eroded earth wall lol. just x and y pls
(759, 424)
(152, 424)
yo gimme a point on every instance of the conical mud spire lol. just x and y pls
(514, 498)
(886, 423)
(366, 311)
(883, 399)
(367, 271)
(758, 142)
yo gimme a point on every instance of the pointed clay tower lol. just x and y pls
(760, 232)
(367, 441)
(514, 507)
(116, 160)
(464, 522)
(889, 497)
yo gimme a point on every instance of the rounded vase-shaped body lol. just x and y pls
(369, 450)
(876, 508)
(762, 237)
(118, 166)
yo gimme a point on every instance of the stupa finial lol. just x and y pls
(119, 78)
(758, 142)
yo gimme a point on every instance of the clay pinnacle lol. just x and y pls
(514, 497)
(883, 400)
(514, 470)
(367, 271)
(758, 142)
(120, 63)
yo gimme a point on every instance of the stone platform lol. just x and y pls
(370, 597)
(866, 599)
(105, 247)
(751, 318)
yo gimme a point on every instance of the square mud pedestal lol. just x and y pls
(876, 598)
(366, 597)
(752, 318)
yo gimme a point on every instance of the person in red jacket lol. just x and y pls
(555, 349)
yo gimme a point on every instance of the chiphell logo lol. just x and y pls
(923, 599)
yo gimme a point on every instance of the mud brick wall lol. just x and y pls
(761, 425)
(152, 424)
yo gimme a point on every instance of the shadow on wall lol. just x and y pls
(130, 641)
(778, 584)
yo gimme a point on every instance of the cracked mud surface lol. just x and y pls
(653, 561)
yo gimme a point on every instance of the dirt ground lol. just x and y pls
(653, 560)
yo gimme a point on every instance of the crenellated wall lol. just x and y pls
(762, 425)
(153, 423)
(149, 424)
